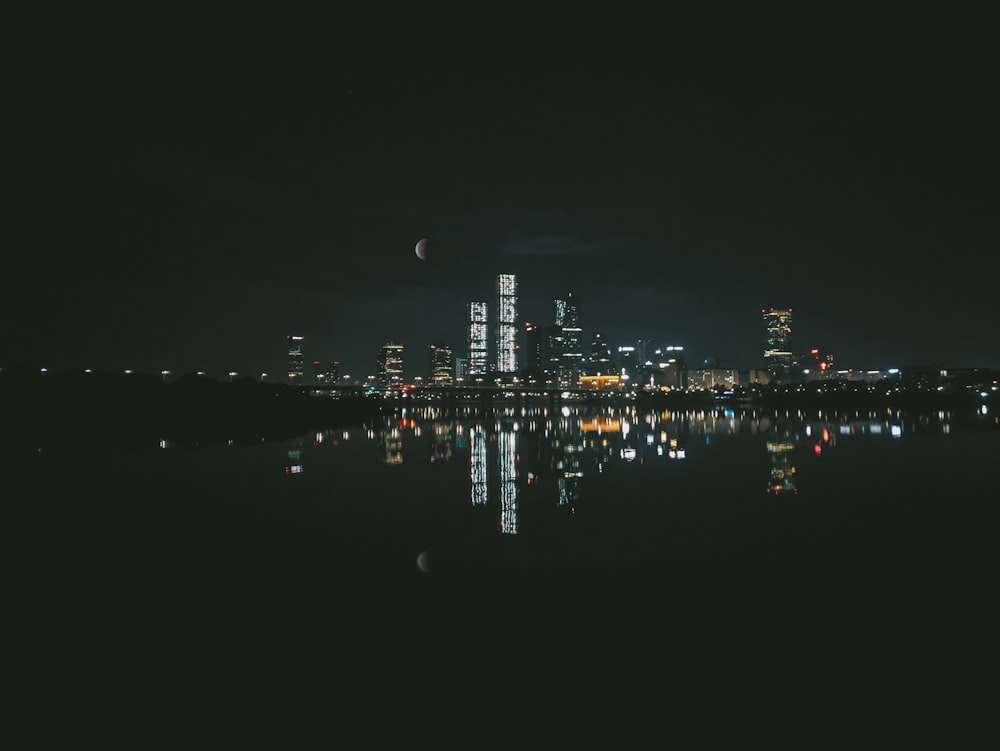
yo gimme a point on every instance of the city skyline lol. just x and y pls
(676, 171)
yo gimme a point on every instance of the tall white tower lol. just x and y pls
(506, 323)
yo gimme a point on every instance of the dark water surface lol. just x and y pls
(580, 533)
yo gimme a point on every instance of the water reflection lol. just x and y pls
(781, 451)
(548, 451)
(294, 464)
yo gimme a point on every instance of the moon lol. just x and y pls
(423, 562)
(421, 249)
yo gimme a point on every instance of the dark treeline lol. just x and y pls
(140, 409)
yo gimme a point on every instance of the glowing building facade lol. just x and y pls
(571, 356)
(778, 352)
(296, 362)
(441, 364)
(506, 323)
(390, 365)
(479, 343)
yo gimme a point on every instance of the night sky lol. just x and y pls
(183, 192)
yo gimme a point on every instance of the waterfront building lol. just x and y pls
(506, 324)
(479, 351)
(533, 348)
(708, 379)
(600, 362)
(628, 363)
(390, 365)
(667, 370)
(461, 369)
(571, 357)
(296, 362)
(441, 364)
(328, 376)
(778, 350)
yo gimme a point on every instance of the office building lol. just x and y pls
(571, 356)
(600, 361)
(296, 362)
(506, 324)
(390, 365)
(441, 364)
(328, 375)
(479, 347)
(778, 352)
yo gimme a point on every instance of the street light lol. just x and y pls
(231, 374)
(164, 373)
(262, 377)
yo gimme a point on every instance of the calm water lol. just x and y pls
(542, 526)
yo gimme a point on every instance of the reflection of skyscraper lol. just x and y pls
(506, 323)
(479, 351)
(296, 363)
(390, 444)
(507, 464)
(390, 365)
(441, 442)
(778, 352)
(440, 364)
(568, 445)
(782, 478)
(477, 465)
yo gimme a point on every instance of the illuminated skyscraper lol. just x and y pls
(390, 365)
(296, 363)
(778, 352)
(600, 362)
(328, 375)
(568, 319)
(506, 323)
(441, 364)
(479, 342)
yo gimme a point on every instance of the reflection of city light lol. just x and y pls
(508, 482)
(477, 466)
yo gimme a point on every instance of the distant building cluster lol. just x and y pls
(559, 355)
